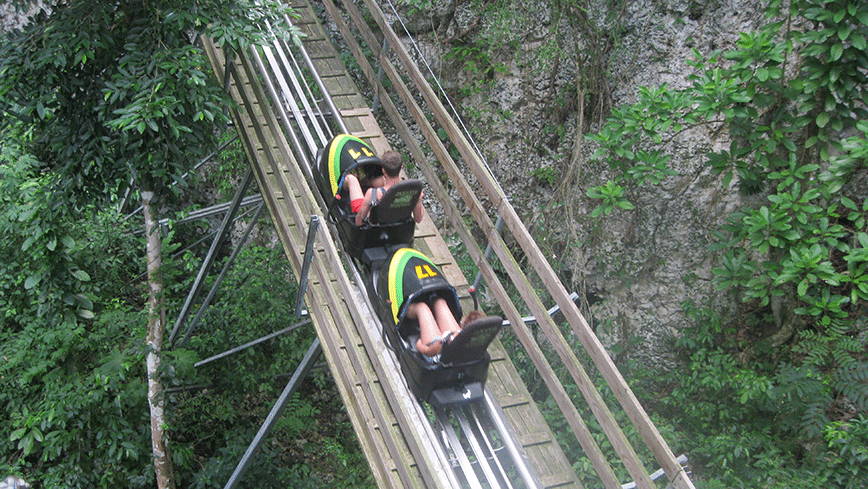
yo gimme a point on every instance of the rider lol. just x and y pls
(421, 301)
(360, 203)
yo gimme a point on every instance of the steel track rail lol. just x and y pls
(510, 441)
(483, 457)
(495, 452)
(486, 454)
(486, 451)
(287, 84)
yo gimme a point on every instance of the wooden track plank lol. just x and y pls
(327, 310)
(426, 228)
(552, 465)
(363, 393)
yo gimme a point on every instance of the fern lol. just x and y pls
(815, 419)
(836, 345)
(852, 381)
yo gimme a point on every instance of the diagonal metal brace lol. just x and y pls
(305, 266)
(222, 234)
(300, 374)
(211, 293)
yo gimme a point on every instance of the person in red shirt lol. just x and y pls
(360, 204)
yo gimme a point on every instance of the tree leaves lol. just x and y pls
(104, 92)
(109, 87)
(80, 427)
(796, 256)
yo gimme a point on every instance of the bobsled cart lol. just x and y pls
(390, 223)
(459, 374)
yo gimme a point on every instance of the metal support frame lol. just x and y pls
(213, 210)
(222, 275)
(227, 70)
(300, 374)
(301, 371)
(212, 253)
(252, 343)
(551, 312)
(681, 459)
(305, 266)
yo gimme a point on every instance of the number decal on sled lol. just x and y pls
(424, 271)
(356, 154)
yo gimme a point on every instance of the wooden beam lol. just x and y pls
(594, 348)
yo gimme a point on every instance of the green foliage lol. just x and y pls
(38, 271)
(599, 37)
(216, 471)
(71, 382)
(95, 95)
(724, 407)
(848, 452)
(231, 165)
(612, 195)
(792, 103)
(546, 175)
(475, 60)
(115, 93)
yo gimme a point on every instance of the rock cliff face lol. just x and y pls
(12, 18)
(514, 76)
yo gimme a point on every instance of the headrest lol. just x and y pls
(398, 202)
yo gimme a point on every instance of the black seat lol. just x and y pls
(397, 203)
(471, 343)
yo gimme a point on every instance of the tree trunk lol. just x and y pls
(156, 331)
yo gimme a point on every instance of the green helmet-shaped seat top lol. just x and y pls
(343, 154)
(411, 276)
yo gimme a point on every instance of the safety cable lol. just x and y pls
(440, 87)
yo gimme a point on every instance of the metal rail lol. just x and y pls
(469, 446)
(482, 447)
(486, 447)
(305, 125)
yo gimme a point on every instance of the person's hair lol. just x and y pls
(470, 317)
(392, 163)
